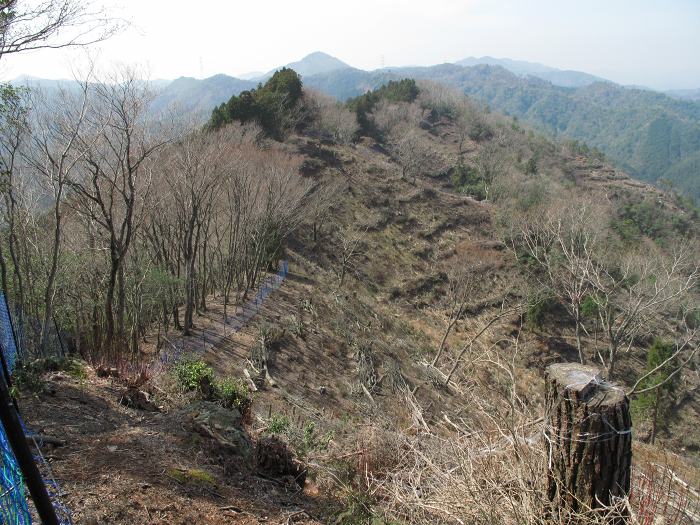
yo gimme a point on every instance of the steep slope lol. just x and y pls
(649, 134)
(351, 385)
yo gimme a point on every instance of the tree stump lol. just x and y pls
(588, 433)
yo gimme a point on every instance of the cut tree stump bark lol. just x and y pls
(588, 437)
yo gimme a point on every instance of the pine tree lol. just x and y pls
(655, 404)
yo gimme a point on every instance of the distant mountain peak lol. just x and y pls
(320, 55)
(314, 63)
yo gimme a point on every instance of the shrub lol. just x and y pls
(530, 195)
(590, 306)
(479, 129)
(656, 404)
(296, 325)
(278, 424)
(194, 375)
(648, 218)
(467, 180)
(312, 440)
(233, 393)
(531, 166)
(540, 310)
(27, 378)
(692, 318)
(357, 511)
(28, 375)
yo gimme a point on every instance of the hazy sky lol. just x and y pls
(644, 42)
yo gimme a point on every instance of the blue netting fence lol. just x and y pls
(14, 509)
(252, 307)
(243, 313)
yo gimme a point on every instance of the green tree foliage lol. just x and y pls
(650, 135)
(276, 105)
(531, 166)
(637, 217)
(404, 90)
(467, 180)
(542, 310)
(655, 404)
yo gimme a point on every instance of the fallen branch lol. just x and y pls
(40, 438)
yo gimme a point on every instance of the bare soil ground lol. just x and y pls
(118, 463)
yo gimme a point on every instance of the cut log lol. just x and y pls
(588, 433)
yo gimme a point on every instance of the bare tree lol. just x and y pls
(193, 174)
(563, 242)
(13, 131)
(490, 164)
(439, 98)
(461, 286)
(115, 179)
(331, 118)
(13, 135)
(470, 123)
(27, 25)
(634, 292)
(411, 152)
(324, 197)
(351, 247)
(54, 154)
(394, 118)
(503, 312)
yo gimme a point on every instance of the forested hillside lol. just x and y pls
(558, 77)
(428, 260)
(650, 135)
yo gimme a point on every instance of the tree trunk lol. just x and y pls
(612, 357)
(190, 297)
(579, 347)
(109, 310)
(342, 276)
(3, 274)
(205, 276)
(654, 418)
(450, 326)
(51, 278)
(588, 442)
(121, 308)
(176, 318)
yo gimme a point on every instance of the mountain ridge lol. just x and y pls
(558, 77)
(651, 134)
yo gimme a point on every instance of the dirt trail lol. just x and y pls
(117, 463)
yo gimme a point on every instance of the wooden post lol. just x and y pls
(588, 437)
